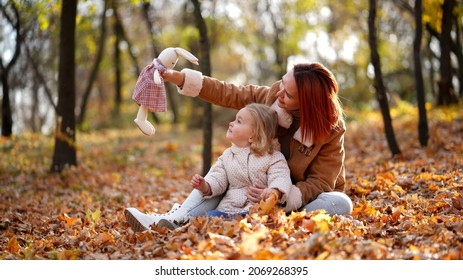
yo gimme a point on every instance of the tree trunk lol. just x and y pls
(41, 79)
(458, 53)
(446, 93)
(422, 118)
(7, 118)
(65, 149)
(379, 84)
(431, 69)
(117, 63)
(280, 59)
(130, 48)
(34, 116)
(94, 73)
(206, 69)
(146, 7)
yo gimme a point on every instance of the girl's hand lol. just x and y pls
(268, 192)
(255, 192)
(200, 184)
(270, 199)
(197, 182)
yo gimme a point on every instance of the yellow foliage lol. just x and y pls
(93, 217)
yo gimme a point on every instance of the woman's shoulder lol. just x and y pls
(340, 127)
(337, 133)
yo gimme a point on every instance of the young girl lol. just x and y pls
(251, 159)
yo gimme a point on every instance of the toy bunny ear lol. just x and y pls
(187, 55)
(156, 77)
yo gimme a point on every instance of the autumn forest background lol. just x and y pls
(72, 159)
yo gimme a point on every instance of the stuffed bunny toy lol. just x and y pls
(150, 92)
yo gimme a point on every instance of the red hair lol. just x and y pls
(319, 105)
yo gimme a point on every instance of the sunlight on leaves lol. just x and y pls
(250, 240)
(323, 221)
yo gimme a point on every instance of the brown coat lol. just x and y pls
(315, 169)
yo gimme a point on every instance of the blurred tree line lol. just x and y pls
(72, 65)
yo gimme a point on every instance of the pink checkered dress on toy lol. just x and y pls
(149, 94)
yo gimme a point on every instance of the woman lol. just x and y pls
(311, 134)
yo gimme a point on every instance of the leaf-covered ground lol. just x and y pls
(408, 207)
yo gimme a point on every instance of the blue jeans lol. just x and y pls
(217, 213)
(332, 202)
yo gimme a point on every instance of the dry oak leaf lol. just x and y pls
(264, 206)
(322, 221)
(457, 202)
(104, 238)
(13, 246)
(70, 221)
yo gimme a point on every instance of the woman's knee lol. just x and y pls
(342, 204)
(334, 203)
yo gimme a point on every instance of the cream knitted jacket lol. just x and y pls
(237, 168)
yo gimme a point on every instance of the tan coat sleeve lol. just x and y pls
(232, 96)
(225, 94)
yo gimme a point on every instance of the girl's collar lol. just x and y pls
(240, 150)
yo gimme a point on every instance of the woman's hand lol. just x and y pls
(174, 76)
(255, 192)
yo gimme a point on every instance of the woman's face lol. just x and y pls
(288, 95)
(241, 131)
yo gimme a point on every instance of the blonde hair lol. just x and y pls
(265, 126)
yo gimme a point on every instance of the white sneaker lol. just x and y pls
(139, 221)
(169, 224)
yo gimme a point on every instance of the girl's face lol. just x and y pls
(241, 131)
(288, 95)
